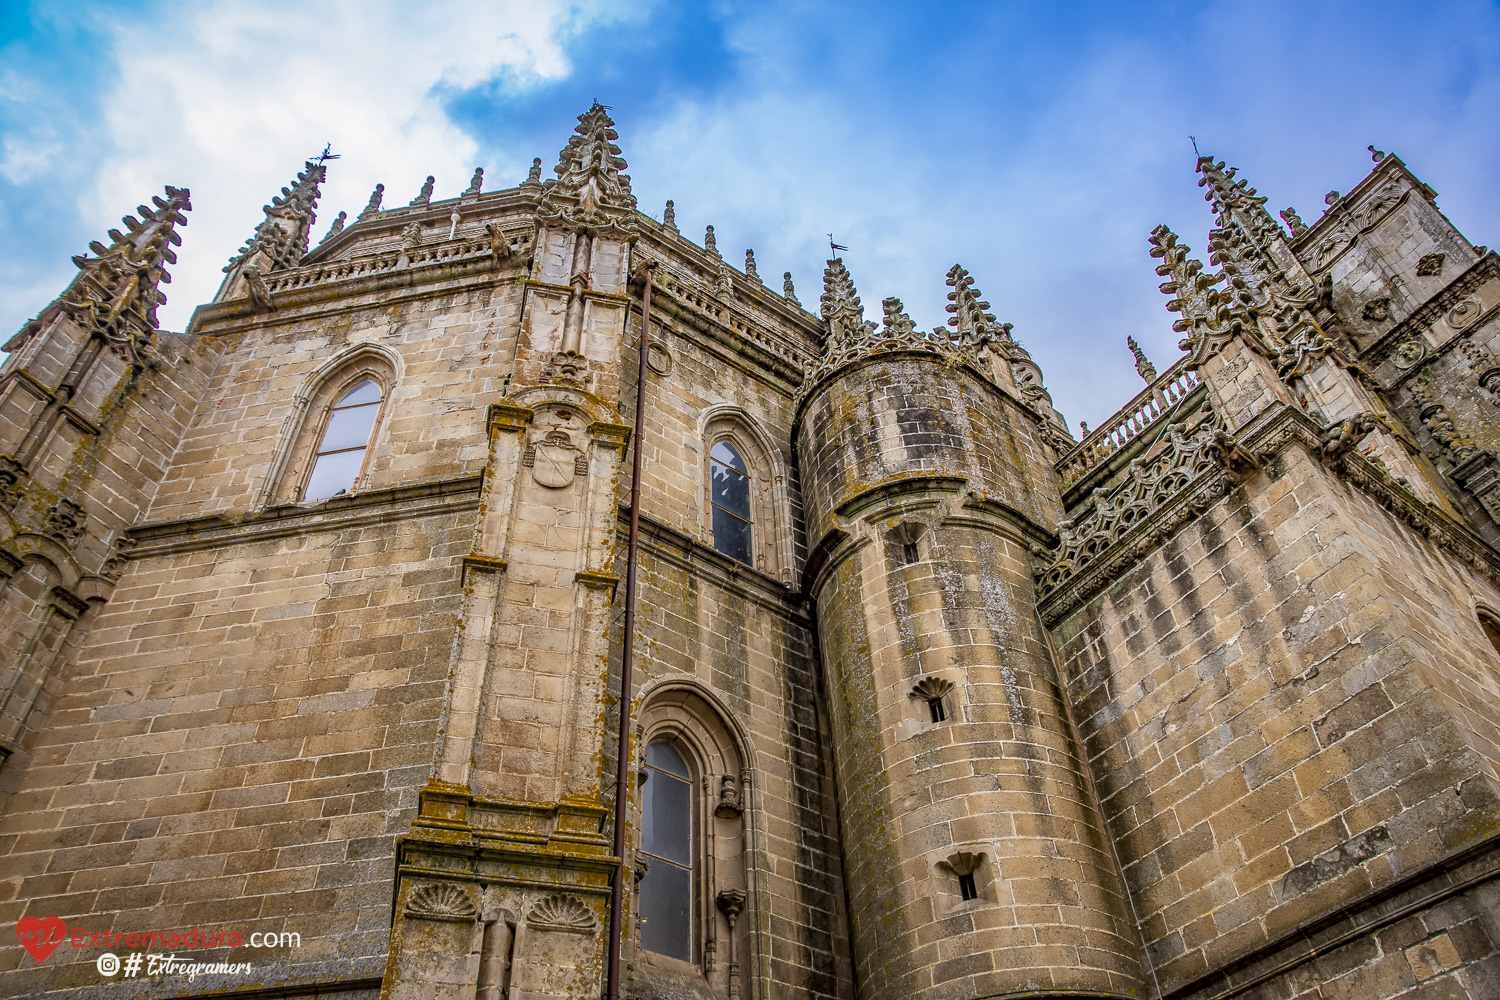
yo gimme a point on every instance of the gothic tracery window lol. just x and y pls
(346, 438)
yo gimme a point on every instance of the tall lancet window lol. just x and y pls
(666, 894)
(729, 479)
(345, 440)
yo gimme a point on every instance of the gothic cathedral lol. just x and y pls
(313, 619)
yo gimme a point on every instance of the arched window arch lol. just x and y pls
(329, 437)
(1491, 626)
(743, 495)
(691, 877)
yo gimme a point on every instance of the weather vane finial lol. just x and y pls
(328, 153)
(833, 247)
(1194, 140)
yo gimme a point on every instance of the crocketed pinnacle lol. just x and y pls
(281, 239)
(589, 179)
(840, 305)
(117, 290)
(1234, 202)
(968, 314)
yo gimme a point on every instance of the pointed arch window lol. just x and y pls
(729, 494)
(346, 438)
(666, 889)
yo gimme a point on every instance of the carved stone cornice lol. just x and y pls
(1277, 429)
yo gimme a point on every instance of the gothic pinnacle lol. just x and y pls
(282, 237)
(118, 288)
(1143, 365)
(1234, 201)
(669, 216)
(534, 175)
(840, 306)
(709, 242)
(788, 289)
(335, 229)
(589, 170)
(750, 271)
(969, 315)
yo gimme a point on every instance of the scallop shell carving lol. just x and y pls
(442, 900)
(558, 912)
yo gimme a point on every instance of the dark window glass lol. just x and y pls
(666, 899)
(729, 490)
(966, 887)
(909, 553)
(938, 709)
(342, 450)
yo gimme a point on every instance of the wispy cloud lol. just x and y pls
(1037, 145)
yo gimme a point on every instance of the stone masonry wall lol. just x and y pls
(1288, 705)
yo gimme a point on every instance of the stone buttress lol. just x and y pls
(977, 861)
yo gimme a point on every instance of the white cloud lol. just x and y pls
(234, 98)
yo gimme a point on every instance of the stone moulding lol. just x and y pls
(1061, 590)
(334, 514)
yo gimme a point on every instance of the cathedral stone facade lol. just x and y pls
(311, 618)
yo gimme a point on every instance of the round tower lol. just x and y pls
(977, 861)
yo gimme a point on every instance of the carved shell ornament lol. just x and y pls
(560, 912)
(443, 899)
(1410, 354)
(1464, 314)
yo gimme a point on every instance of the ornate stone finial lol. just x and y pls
(840, 306)
(116, 291)
(709, 243)
(1083, 427)
(896, 323)
(788, 289)
(1376, 154)
(1331, 198)
(335, 229)
(534, 175)
(589, 179)
(475, 185)
(1234, 201)
(424, 197)
(969, 315)
(282, 237)
(1294, 221)
(669, 216)
(724, 283)
(1143, 364)
(373, 208)
(750, 271)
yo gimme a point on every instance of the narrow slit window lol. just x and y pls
(341, 453)
(1491, 630)
(909, 553)
(729, 485)
(666, 892)
(938, 710)
(966, 887)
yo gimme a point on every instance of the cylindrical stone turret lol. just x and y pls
(977, 860)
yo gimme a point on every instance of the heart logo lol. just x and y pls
(41, 935)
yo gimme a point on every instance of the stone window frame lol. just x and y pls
(1488, 618)
(688, 717)
(312, 406)
(770, 537)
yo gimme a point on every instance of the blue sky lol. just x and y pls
(1037, 144)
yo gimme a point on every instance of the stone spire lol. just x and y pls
(840, 307)
(1233, 200)
(972, 322)
(1143, 364)
(282, 238)
(1211, 307)
(117, 290)
(589, 181)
